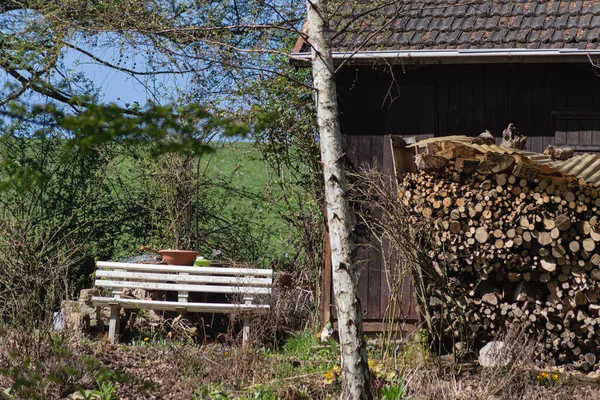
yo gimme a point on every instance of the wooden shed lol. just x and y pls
(436, 68)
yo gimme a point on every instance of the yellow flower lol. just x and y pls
(555, 377)
(371, 363)
(390, 375)
(336, 369)
(328, 375)
(146, 339)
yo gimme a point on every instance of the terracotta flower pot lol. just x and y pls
(179, 257)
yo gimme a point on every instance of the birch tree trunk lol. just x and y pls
(355, 369)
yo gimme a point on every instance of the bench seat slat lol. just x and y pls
(191, 270)
(175, 306)
(183, 287)
(146, 276)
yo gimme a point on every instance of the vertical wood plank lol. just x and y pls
(536, 140)
(442, 103)
(560, 138)
(548, 104)
(374, 248)
(596, 132)
(572, 132)
(477, 80)
(490, 88)
(502, 118)
(585, 132)
(466, 100)
(363, 251)
(454, 97)
(389, 172)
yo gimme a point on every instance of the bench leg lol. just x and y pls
(113, 327)
(246, 331)
(246, 328)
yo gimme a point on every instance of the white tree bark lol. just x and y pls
(355, 369)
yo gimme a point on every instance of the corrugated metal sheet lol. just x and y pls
(584, 167)
(455, 139)
(466, 141)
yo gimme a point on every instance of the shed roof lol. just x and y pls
(466, 28)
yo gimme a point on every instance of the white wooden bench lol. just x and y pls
(246, 284)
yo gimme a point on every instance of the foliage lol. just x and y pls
(394, 391)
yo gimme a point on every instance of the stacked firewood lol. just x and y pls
(514, 250)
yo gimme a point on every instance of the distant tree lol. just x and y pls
(222, 46)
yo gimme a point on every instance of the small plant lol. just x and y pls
(106, 391)
(263, 393)
(331, 376)
(394, 391)
(544, 378)
(210, 392)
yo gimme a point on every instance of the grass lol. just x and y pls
(301, 368)
(241, 165)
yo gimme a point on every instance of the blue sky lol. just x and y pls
(115, 86)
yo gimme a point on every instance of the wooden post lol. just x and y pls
(182, 297)
(113, 327)
(115, 317)
(246, 328)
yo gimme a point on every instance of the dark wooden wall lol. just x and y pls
(550, 103)
(373, 151)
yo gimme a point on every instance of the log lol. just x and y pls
(481, 235)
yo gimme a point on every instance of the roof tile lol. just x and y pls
(573, 21)
(585, 21)
(515, 22)
(461, 11)
(529, 8)
(435, 24)
(518, 9)
(423, 23)
(446, 24)
(436, 12)
(591, 35)
(523, 35)
(511, 36)
(552, 7)
(564, 7)
(468, 23)
(505, 9)
(465, 24)
(561, 21)
(575, 7)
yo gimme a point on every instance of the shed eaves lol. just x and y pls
(444, 24)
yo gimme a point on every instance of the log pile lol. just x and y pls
(515, 249)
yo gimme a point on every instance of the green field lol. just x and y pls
(247, 192)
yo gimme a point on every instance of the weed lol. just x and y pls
(210, 392)
(394, 391)
(264, 393)
(106, 391)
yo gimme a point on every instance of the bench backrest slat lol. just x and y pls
(192, 270)
(183, 287)
(160, 277)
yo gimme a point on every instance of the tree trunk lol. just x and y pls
(355, 370)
